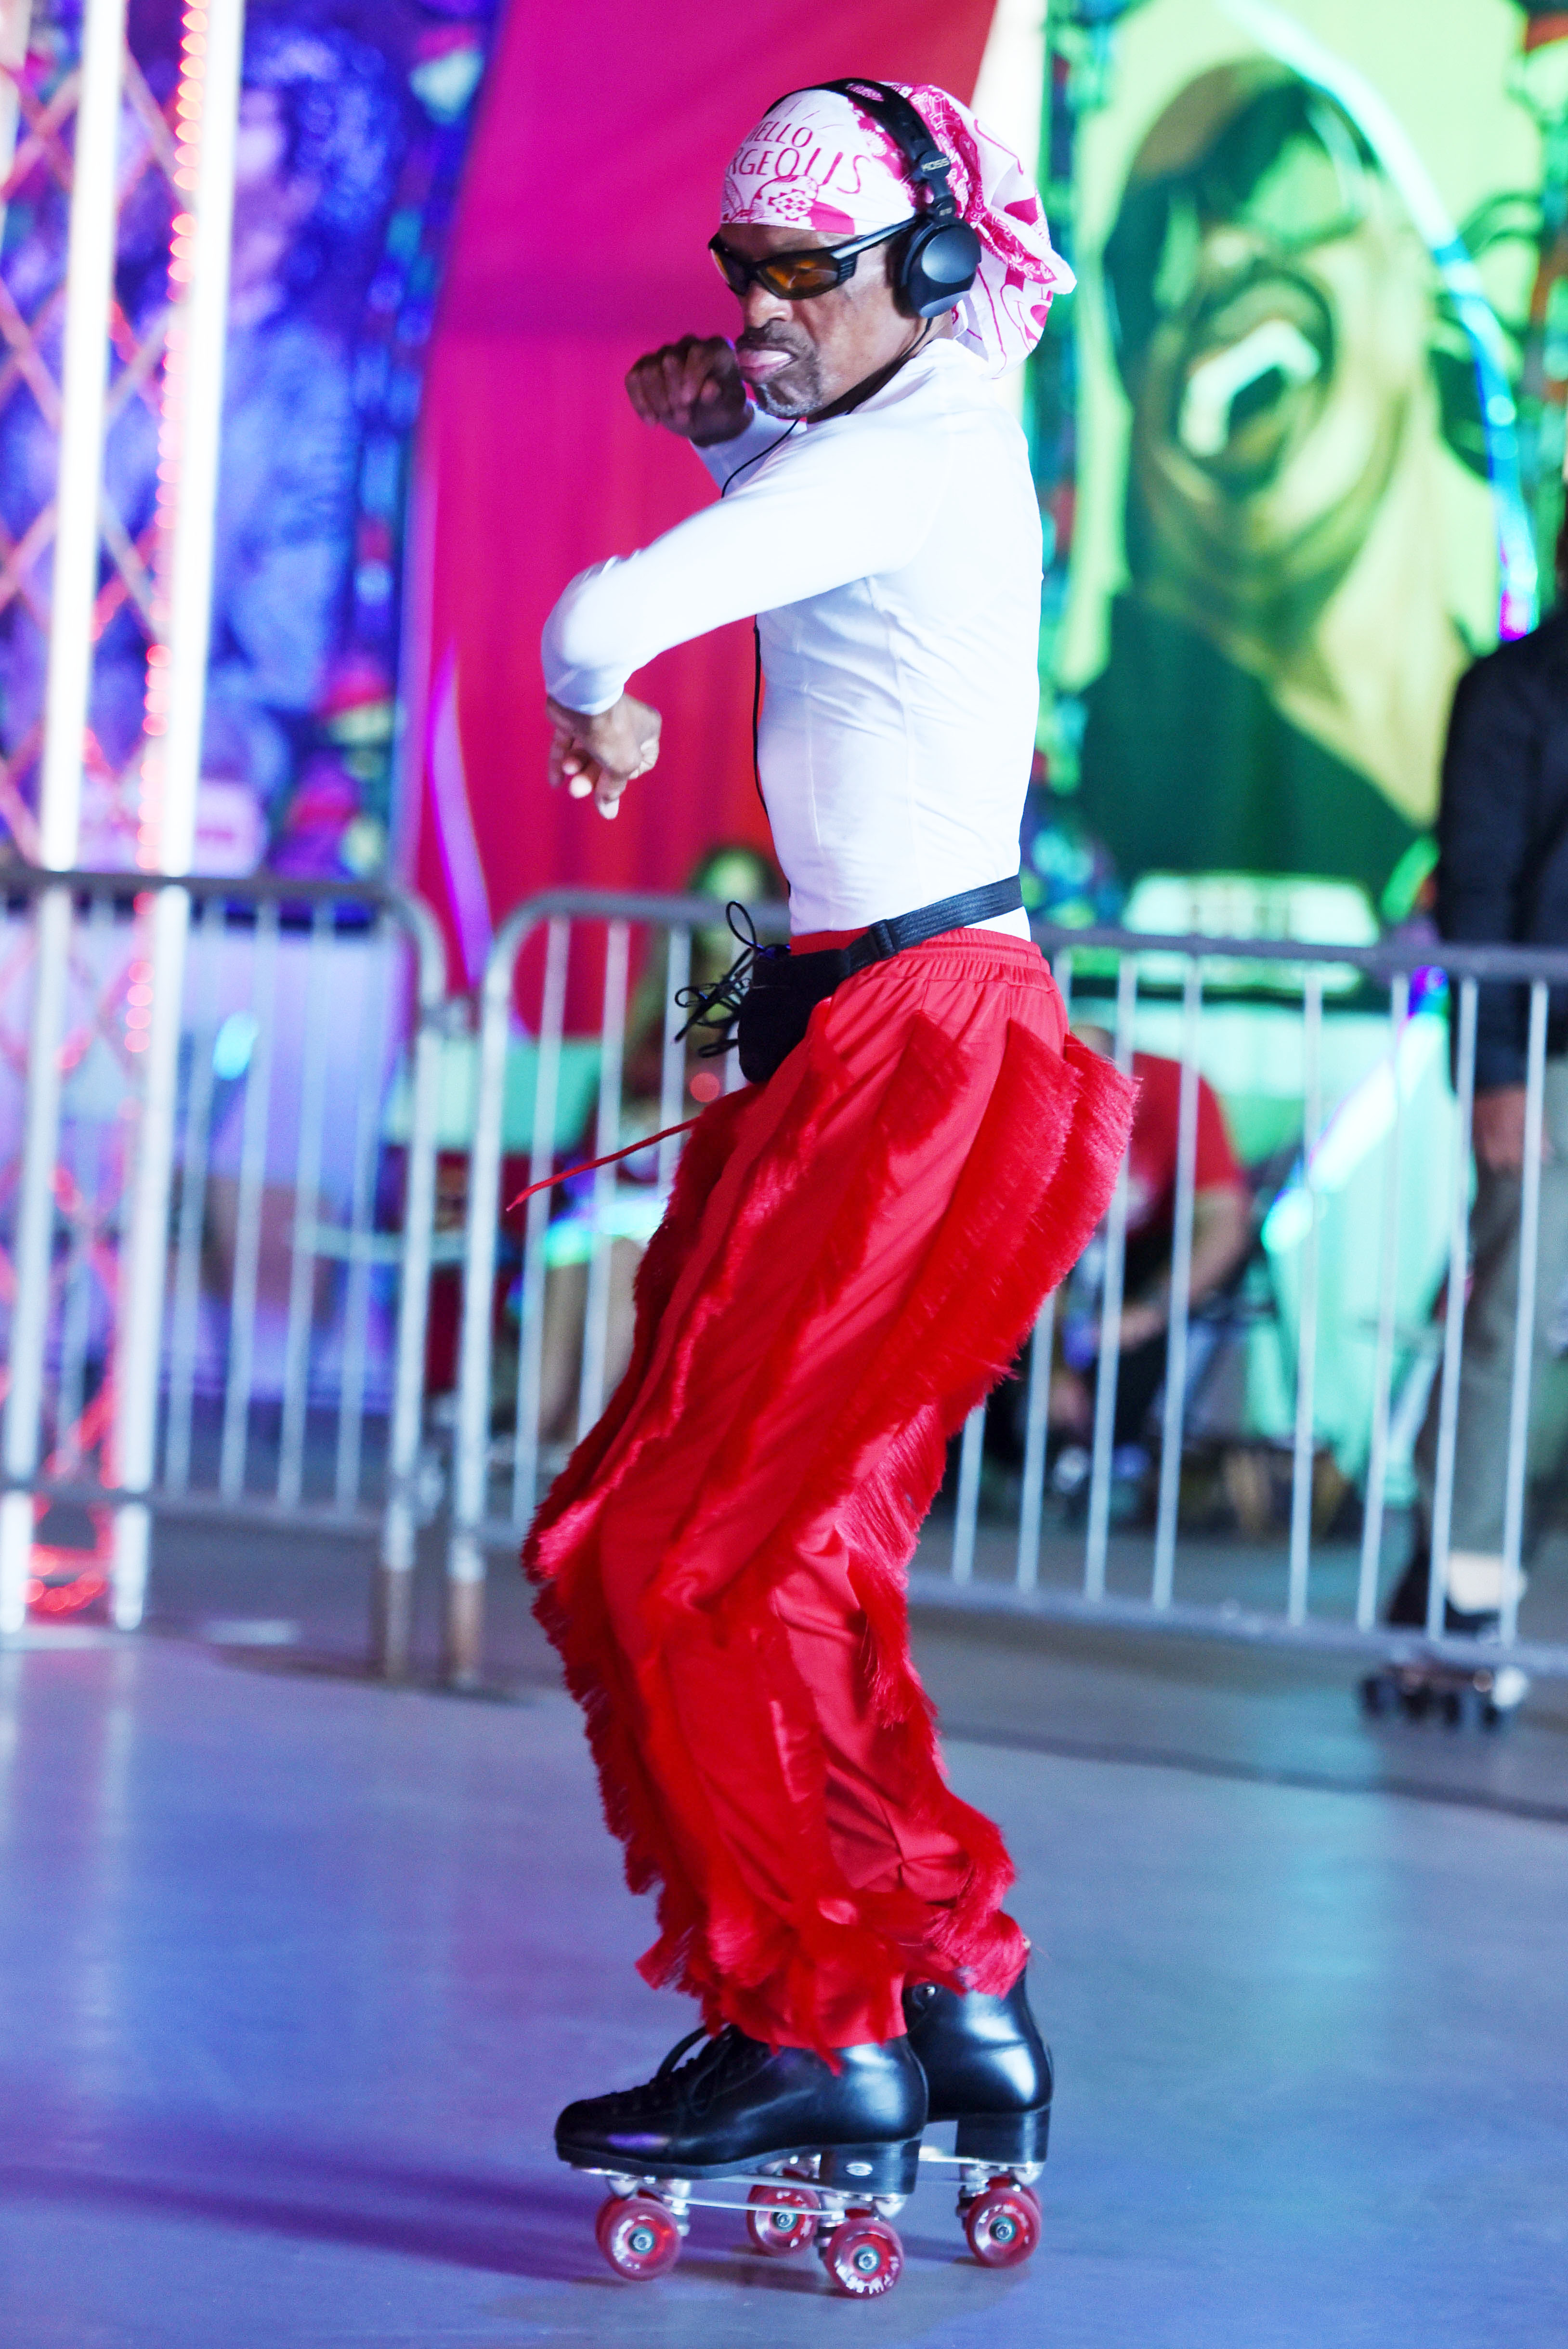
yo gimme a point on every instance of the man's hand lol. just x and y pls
(694, 388)
(1140, 1321)
(1497, 1129)
(602, 755)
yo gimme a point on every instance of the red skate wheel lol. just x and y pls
(1002, 2226)
(864, 2257)
(782, 2217)
(637, 2236)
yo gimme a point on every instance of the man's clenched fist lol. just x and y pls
(694, 388)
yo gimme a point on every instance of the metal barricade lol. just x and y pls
(1337, 1326)
(216, 1262)
(1352, 1157)
(498, 1473)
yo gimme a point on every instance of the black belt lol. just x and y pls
(768, 994)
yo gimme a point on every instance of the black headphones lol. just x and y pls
(940, 257)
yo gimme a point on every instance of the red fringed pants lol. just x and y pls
(851, 1256)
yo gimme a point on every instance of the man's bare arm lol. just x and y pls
(1222, 1234)
(693, 387)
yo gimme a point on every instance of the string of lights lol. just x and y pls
(206, 113)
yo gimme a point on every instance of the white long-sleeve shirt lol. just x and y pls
(891, 558)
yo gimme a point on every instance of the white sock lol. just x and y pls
(1476, 1582)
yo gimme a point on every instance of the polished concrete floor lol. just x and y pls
(296, 1970)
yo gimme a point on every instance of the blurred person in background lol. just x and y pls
(1503, 880)
(1221, 1241)
(731, 871)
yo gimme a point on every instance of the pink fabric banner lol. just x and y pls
(595, 185)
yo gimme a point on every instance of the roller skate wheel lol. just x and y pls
(1379, 1695)
(1002, 2226)
(1509, 1687)
(782, 2217)
(863, 2258)
(637, 2236)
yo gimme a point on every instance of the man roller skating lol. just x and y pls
(860, 1239)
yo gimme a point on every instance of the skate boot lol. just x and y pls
(838, 2153)
(1408, 1607)
(988, 2070)
(1488, 1693)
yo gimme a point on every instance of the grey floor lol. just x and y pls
(296, 1970)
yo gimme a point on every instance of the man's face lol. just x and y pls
(800, 357)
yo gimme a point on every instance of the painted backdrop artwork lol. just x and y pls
(353, 123)
(1298, 510)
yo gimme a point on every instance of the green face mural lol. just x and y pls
(1272, 312)
(1283, 538)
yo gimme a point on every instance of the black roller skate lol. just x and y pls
(837, 2153)
(988, 2070)
(1422, 1686)
(1484, 1695)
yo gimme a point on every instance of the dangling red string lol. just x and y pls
(588, 1164)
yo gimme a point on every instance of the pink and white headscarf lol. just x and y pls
(816, 161)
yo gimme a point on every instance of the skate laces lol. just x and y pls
(693, 2083)
(728, 2057)
(667, 2069)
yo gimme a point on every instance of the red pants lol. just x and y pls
(851, 1256)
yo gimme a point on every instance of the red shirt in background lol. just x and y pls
(1151, 1159)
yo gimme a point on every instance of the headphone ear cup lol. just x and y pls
(939, 265)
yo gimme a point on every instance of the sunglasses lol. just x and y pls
(796, 276)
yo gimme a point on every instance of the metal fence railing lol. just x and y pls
(564, 1275)
(215, 1253)
(1279, 1451)
(242, 1124)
